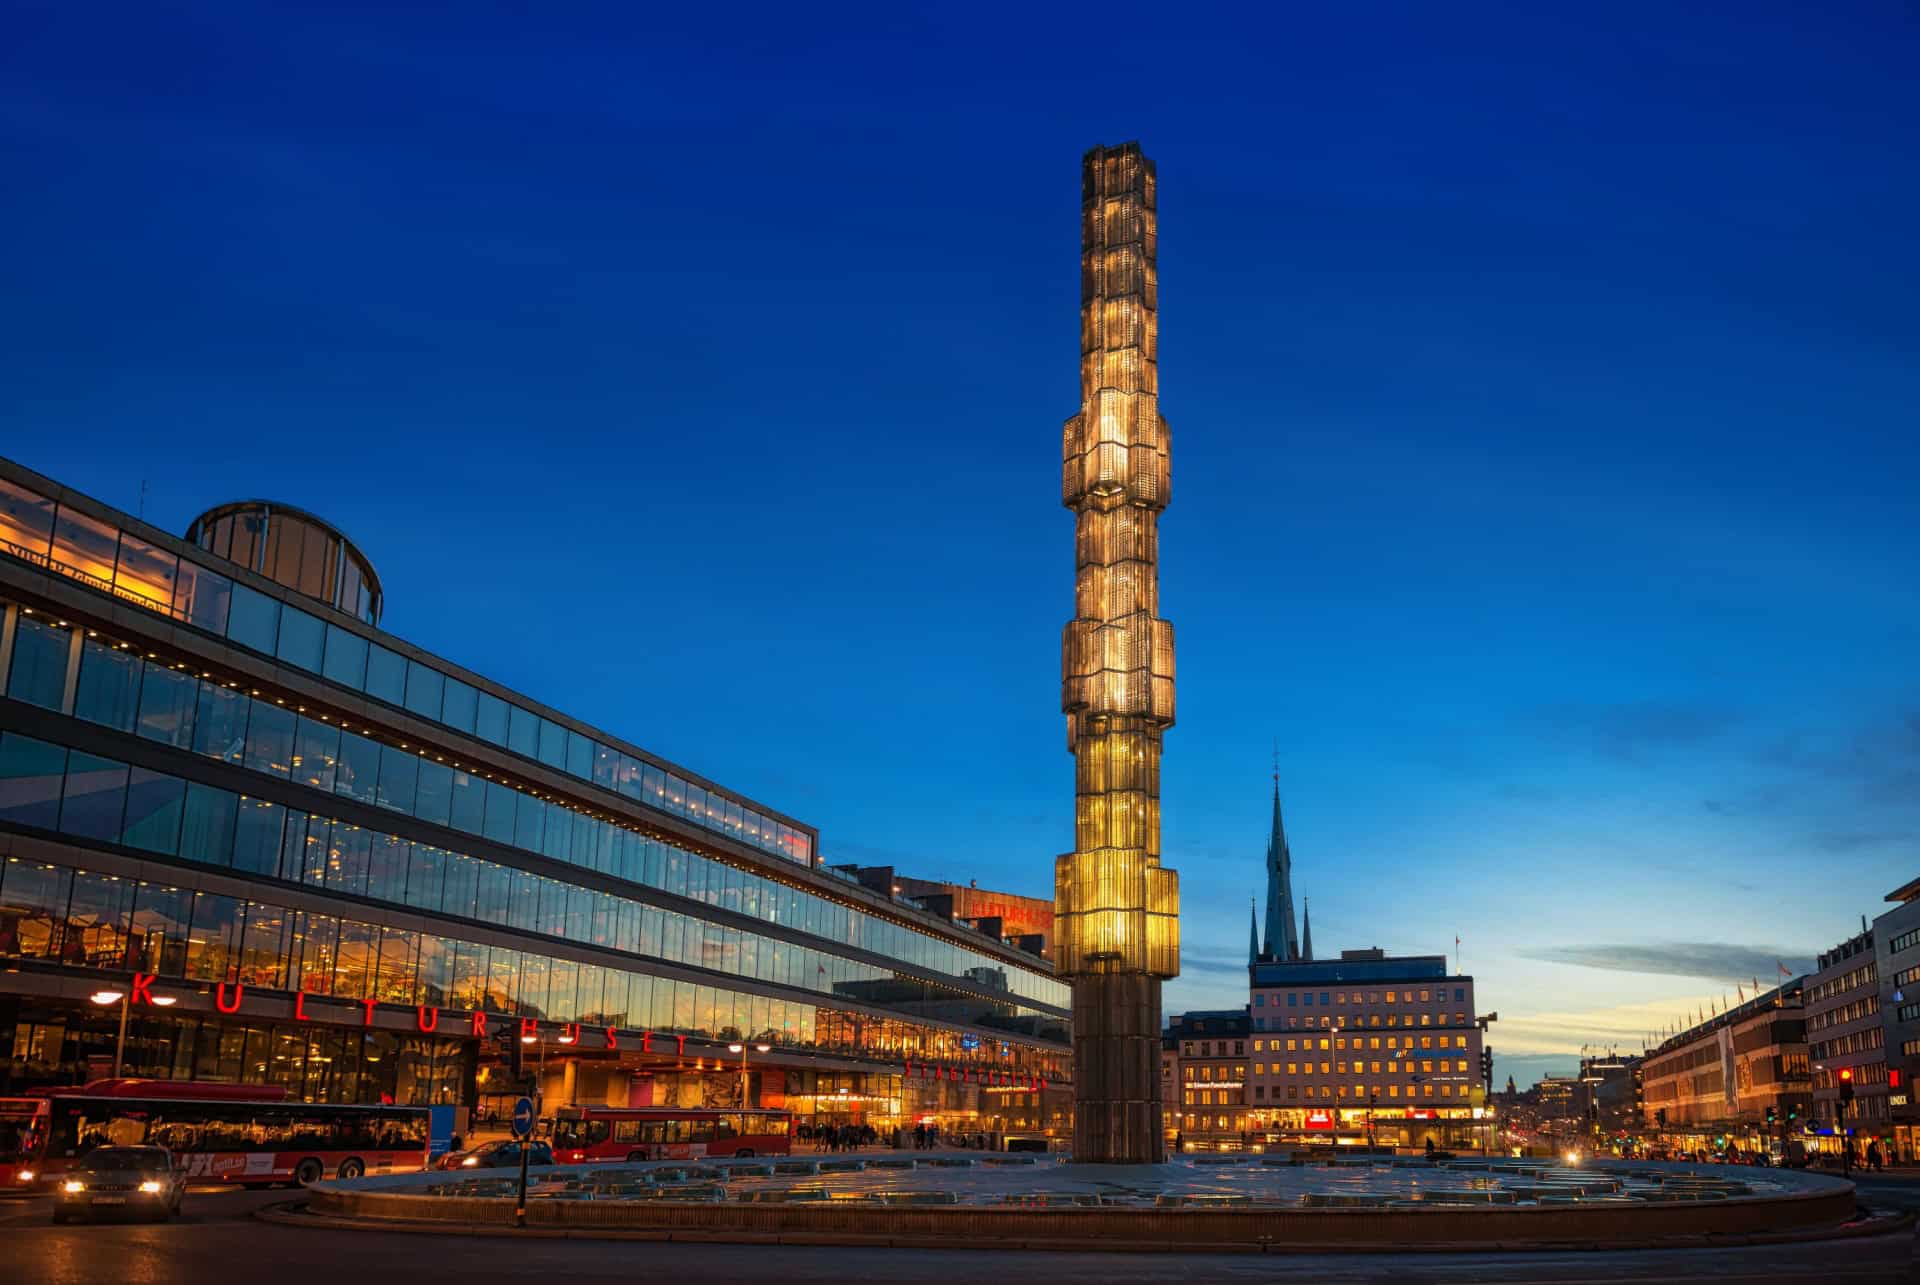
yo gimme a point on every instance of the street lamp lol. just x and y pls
(108, 997)
(741, 1049)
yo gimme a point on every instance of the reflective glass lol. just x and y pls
(203, 598)
(206, 830)
(253, 620)
(85, 546)
(256, 840)
(424, 689)
(459, 705)
(214, 938)
(469, 803)
(553, 743)
(95, 797)
(346, 658)
(523, 731)
(26, 519)
(31, 774)
(38, 674)
(316, 753)
(109, 688)
(33, 908)
(386, 674)
(358, 773)
(498, 824)
(387, 868)
(302, 639)
(490, 722)
(270, 729)
(154, 805)
(220, 722)
(146, 573)
(433, 795)
(399, 770)
(167, 698)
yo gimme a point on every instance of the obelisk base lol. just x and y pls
(1116, 1069)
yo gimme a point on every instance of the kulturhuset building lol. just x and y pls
(316, 856)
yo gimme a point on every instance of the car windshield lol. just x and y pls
(111, 1158)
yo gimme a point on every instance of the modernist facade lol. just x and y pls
(1722, 1076)
(1846, 1036)
(1896, 947)
(1117, 908)
(1368, 1044)
(317, 856)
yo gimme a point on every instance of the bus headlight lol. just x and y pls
(25, 1175)
(73, 1188)
(150, 1187)
(471, 1161)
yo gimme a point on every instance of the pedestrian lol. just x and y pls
(1873, 1155)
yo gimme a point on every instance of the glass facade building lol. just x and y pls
(362, 870)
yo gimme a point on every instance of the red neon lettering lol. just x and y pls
(480, 1025)
(612, 1041)
(366, 1018)
(300, 1007)
(570, 1033)
(646, 1041)
(428, 1025)
(142, 990)
(529, 1029)
(220, 998)
(680, 1046)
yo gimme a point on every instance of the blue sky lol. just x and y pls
(1542, 389)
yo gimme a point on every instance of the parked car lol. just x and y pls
(140, 1182)
(501, 1154)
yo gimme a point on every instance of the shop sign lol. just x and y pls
(1320, 1119)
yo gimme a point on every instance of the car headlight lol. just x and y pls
(25, 1175)
(73, 1188)
(151, 1187)
(471, 1161)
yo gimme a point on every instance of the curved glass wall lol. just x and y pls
(293, 548)
(102, 556)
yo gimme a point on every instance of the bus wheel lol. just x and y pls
(351, 1167)
(636, 1157)
(308, 1171)
(745, 1153)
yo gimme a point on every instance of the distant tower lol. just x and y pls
(1253, 933)
(1116, 908)
(1306, 929)
(1283, 943)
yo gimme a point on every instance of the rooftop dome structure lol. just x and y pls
(293, 547)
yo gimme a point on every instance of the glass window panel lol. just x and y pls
(629, 777)
(264, 946)
(146, 574)
(206, 828)
(85, 546)
(562, 993)
(256, 836)
(302, 639)
(214, 938)
(220, 722)
(253, 620)
(166, 705)
(348, 852)
(523, 731)
(503, 980)
(312, 953)
(399, 772)
(553, 743)
(460, 885)
(96, 934)
(26, 520)
(606, 765)
(31, 773)
(386, 674)
(434, 969)
(293, 846)
(346, 658)
(95, 797)
(109, 687)
(356, 960)
(580, 755)
(467, 987)
(358, 773)
(529, 820)
(316, 753)
(157, 938)
(396, 977)
(469, 802)
(533, 985)
(493, 890)
(551, 916)
(155, 802)
(424, 876)
(270, 730)
(39, 671)
(500, 809)
(202, 598)
(490, 722)
(424, 689)
(387, 868)
(459, 705)
(433, 795)
(523, 900)
(33, 908)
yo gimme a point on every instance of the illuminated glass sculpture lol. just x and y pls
(1117, 926)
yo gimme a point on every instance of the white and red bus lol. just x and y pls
(667, 1133)
(216, 1132)
(23, 1129)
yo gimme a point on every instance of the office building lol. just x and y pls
(315, 855)
(1719, 1078)
(1846, 1038)
(1896, 947)
(1206, 1058)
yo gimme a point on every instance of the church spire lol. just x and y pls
(1253, 933)
(1282, 942)
(1306, 929)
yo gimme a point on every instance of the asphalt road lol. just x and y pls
(217, 1242)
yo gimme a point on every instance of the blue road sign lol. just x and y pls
(523, 1118)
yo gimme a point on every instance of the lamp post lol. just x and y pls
(745, 1084)
(107, 997)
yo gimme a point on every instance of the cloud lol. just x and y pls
(1841, 841)
(1716, 961)
(1193, 961)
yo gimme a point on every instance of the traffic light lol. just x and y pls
(1773, 1116)
(1846, 1084)
(1793, 1112)
(1661, 1116)
(1486, 1068)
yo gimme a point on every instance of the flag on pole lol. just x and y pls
(1782, 967)
(1741, 991)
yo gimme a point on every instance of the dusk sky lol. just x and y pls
(1542, 391)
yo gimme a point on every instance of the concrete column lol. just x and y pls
(570, 1083)
(1116, 1069)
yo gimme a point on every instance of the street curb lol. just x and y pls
(292, 1214)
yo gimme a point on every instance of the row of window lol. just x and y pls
(52, 788)
(1425, 1066)
(1295, 1092)
(1345, 1020)
(87, 919)
(1304, 999)
(119, 689)
(1904, 941)
(1852, 979)
(134, 570)
(1339, 1043)
(1861, 1041)
(1866, 1006)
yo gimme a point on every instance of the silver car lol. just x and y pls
(139, 1182)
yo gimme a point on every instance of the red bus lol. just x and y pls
(23, 1137)
(216, 1132)
(667, 1133)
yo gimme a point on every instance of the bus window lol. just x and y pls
(699, 1130)
(726, 1128)
(626, 1131)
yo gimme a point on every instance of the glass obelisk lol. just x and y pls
(1117, 926)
